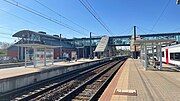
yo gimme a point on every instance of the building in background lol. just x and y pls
(31, 37)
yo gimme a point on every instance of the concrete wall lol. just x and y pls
(8, 84)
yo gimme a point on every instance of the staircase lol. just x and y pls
(102, 44)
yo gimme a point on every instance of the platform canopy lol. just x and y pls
(32, 38)
(151, 51)
(38, 54)
(36, 46)
(160, 41)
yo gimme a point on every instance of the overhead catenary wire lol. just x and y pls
(176, 29)
(129, 32)
(142, 30)
(60, 15)
(2, 36)
(11, 29)
(17, 4)
(2, 33)
(94, 11)
(126, 30)
(161, 14)
(98, 15)
(25, 20)
(7, 37)
(94, 14)
(147, 29)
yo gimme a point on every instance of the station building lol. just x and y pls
(62, 49)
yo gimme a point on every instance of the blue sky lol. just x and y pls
(119, 15)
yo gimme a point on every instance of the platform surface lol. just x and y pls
(16, 71)
(151, 85)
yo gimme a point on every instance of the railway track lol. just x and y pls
(68, 89)
(38, 86)
(93, 89)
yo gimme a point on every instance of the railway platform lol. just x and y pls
(15, 78)
(17, 71)
(133, 83)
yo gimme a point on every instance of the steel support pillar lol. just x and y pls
(152, 50)
(160, 57)
(52, 56)
(145, 57)
(44, 56)
(21, 53)
(90, 46)
(35, 56)
(25, 62)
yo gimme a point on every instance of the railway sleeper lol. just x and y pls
(81, 98)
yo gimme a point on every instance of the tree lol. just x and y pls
(4, 45)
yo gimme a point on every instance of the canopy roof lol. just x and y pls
(160, 41)
(36, 46)
(36, 38)
(25, 34)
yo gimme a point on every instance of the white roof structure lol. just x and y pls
(36, 46)
(162, 41)
(177, 45)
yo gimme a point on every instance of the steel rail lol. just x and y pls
(48, 88)
(79, 89)
(23, 90)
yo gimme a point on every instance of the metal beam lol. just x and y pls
(90, 46)
(25, 57)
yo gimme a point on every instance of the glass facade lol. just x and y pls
(119, 41)
(84, 42)
(49, 56)
(29, 54)
(40, 56)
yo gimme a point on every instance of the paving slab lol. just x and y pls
(151, 85)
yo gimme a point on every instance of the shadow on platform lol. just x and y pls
(164, 69)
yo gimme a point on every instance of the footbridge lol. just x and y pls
(121, 40)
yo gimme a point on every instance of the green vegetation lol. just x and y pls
(3, 52)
